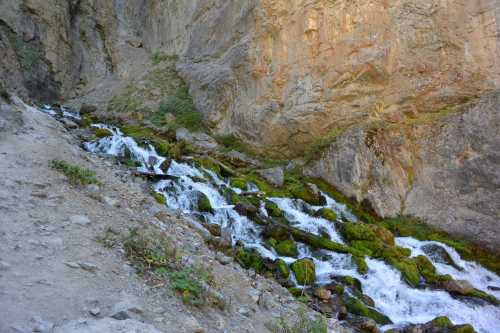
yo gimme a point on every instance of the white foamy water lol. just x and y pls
(393, 297)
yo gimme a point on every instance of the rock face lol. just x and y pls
(373, 80)
(444, 171)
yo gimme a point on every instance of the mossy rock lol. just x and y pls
(204, 204)
(102, 133)
(322, 243)
(426, 268)
(273, 209)
(383, 234)
(396, 252)
(484, 296)
(362, 266)
(327, 214)
(249, 258)
(240, 183)
(441, 321)
(466, 328)
(287, 248)
(408, 269)
(159, 198)
(208, 164)
(358, 231)
(301, 191)
(369, 248)
(282, 270)
(357, 307)
(305, 271)
(351, 282)
(277, 231)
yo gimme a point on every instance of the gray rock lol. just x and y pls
(95, 312)
(223, 259)
(274, 176)
(199, 141)
(88, 266)
(72, 264)
(79, 219)
(40, 325)
(106, 325)
(127, 309)
(69, 123)
(111, 201)
(4, 266)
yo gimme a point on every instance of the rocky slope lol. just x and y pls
(349, 75)
(62, 263)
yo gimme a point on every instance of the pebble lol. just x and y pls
(244, 311)
(111, 201)
(88, 266)
(4, 266)
(79, 219)
(72, 264)
(95, 311)
(222, 258)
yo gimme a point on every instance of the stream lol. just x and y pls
(393, 297)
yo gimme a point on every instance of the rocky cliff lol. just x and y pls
(387, 90)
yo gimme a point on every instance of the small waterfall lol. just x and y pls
(393, 297)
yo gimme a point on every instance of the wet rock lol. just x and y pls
(320, 200)
(439, 254)
(460, 287)
(108, 325)
(69, 123)
(357, 307)
(275, 176)
(277, 232)
(79, 220)
(204, 204)
(95, 312)
(246, 209)
(287, 248)
(214, 229)
(327, 214)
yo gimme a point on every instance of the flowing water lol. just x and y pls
(393, 297)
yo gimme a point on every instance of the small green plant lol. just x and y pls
(182, 107)
(159, 57)
(303, 324)
(76, 174)
(157, 259)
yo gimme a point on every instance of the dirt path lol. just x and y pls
(53, 269)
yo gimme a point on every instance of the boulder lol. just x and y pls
(199, 141)
(287, 248)
(304, 270)
(460, 287)
(87, 109)
(275, 176)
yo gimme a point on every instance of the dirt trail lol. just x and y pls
(53, 269)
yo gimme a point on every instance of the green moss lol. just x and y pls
(357, 307)
(339, 289)
(102, 133)
(442, 321)
(159, 198)
(204, 204)
(327, 214)
(249, 258)
(426, 268)
(296, 291)
(358, 231)
(408, 269)
(208, 164)
(407, 226)
(282, 268)
(369, 248)
(462, 329)
(483, 295)
(182, 107)
(239, 183)
(362, 266)
(322, 243)
(76, 174)
(287, 248)
(273, 209)
(305, 271)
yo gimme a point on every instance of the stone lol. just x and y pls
(223, 259)
(323, 294)
(111, 201)
(95, 312)
(88, 266)
(70, 124)
(461, 287)
(4, 266)
(304, 270)
(199, 141)
(108, 325)
(72, 264)
(79, 220)
(87, 109)
(275, 176)
(40, 325)
(127, 309)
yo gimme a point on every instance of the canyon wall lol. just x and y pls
(388, 89)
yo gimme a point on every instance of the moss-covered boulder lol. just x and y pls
(305, 271)
(466, 328)
(369, 248)
(426, 268)
(240, 183)
(357, 231)
(441, 321)
(408, 269)
(357, 307)
(282, 271)
(287, 248)
(102, 133)
(321, 242)
(327, 214)
(362, 266)
(204, 204)
(249, 258)
(273, 209)
(277, 231)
